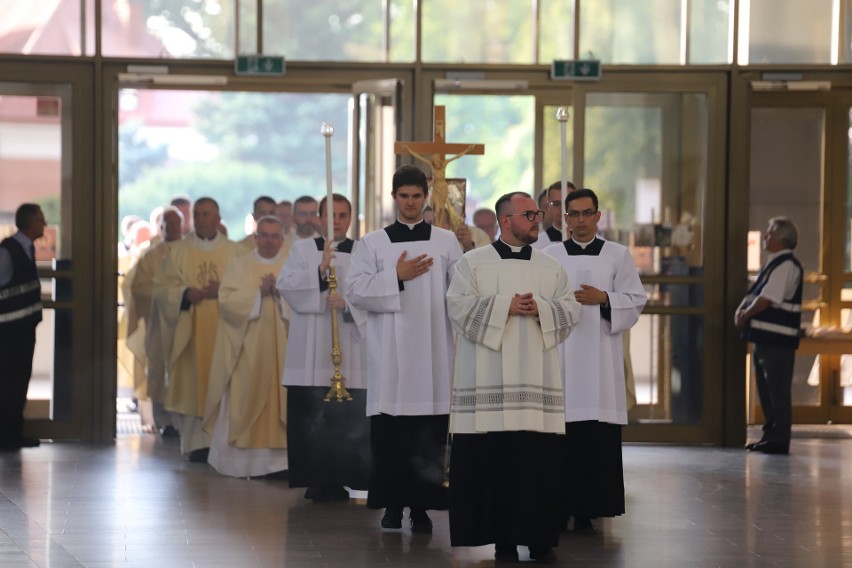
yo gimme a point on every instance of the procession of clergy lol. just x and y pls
(486, 372)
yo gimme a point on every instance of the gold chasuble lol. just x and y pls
(191, 262)
(251, 346)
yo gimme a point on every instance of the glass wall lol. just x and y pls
(672, 32)
(233, 147)
(788, 31)
(646, 158)
(505, 125)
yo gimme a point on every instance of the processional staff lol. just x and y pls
(562, 115)
(338, 390)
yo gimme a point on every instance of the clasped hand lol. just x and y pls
(198, 295)
(523, 305)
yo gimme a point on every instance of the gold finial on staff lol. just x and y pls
(338, 391)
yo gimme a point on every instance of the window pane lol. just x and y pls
(556, 30)
(666, 359)
(402, 26)
(609, 31)
(229, 146)
(478, 31)
(786, 31)
(505, 125)
(31, 167)
(709, 27)
(329, 30)
(169, 29)
(40, 28)
(646, 156)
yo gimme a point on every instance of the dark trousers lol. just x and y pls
(773, 367)
(17, 344)
(408, 462)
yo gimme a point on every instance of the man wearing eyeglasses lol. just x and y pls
(511, 306)
(244, 411)
(399, 275)
(306, 218)
(550, 201)
(612, 298)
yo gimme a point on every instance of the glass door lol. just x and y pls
(38, 164)
(799, 168)
(374, 125)
(647, 154)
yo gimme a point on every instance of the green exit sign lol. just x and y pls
(576, 70)
(259, 65)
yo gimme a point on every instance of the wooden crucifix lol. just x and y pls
(435, 154)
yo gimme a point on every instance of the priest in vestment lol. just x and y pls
(245, 411)
(328, 443)
(142, 289)
(399, 276)
(511, 306)
(262, 206)
(186, 290)
(612, 298)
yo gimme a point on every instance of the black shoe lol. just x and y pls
(16, 444)
(392, 518)
(771, 448)
(199, 456)
(583, 525)
(326, 493)
(543, 554)
(505, 553)
(420, 521)
(169, 432)
(282, 475)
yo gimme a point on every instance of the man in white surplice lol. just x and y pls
(511, 306)
(612, 296)
(399, 276)
(328, 444)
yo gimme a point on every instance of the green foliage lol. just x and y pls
(135, 154)
(233, 184)
(505, 125)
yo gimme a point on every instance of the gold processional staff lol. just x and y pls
(338, 391)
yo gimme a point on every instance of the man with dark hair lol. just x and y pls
(186, 293)
(770, 317)
(511, 306)
(261, 207)
(306, 218)
(284, 211)
(399, 276)
(328, 444)
(550, 201)
(612, 297)
(20, 313)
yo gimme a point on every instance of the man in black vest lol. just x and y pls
(20, 313)
(770, 316)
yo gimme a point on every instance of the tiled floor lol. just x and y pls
(137, 503)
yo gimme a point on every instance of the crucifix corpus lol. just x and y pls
(435, 154)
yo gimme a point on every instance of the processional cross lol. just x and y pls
(435, 154)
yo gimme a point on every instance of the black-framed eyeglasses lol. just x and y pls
(554, 203)
(573, 213)
(531, 215)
